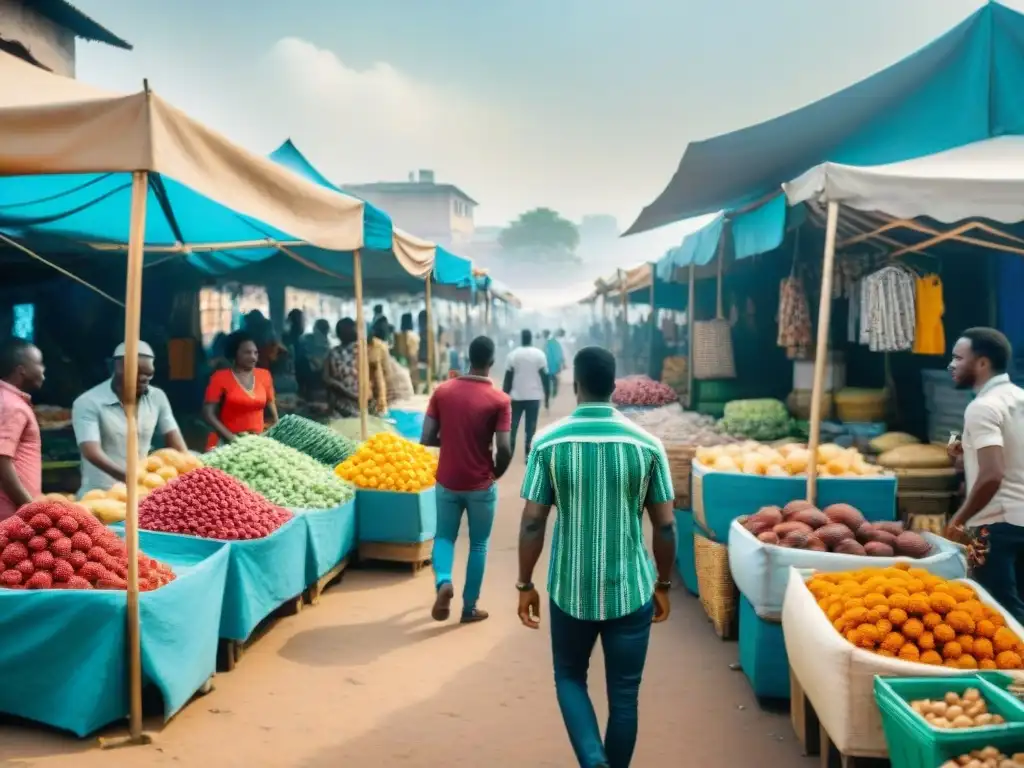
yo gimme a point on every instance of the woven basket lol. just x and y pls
(717, 590)
(861, 406)
(680, 461)
(799, 404)
(712, 350)
(913, 480)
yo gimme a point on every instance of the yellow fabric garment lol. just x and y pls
(929, 333)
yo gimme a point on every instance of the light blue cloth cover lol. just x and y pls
(408, 423)
(63, 658)
(396, 518)
(685, 554)
(763, 654)
(330, 537)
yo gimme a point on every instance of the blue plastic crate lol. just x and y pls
(386, 517)
(763, 654)
(684, 550)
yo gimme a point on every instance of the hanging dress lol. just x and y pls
(929, 335)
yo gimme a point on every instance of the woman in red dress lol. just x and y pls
(238, 398)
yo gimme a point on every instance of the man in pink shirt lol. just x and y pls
(21, 444)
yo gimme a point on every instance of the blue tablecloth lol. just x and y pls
(63, 657)
(396, 518)
(330, 537)
(408, 423)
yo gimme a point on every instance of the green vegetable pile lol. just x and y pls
(756, 419)
(350, 427)
(315, 440)
(281, 474)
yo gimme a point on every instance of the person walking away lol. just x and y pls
(526, 382)
(469, 419)
(601, 471)
(101, 426)
(21, 444)
(315, 348)
(240, 399)
(341, 373)
(555, 355)
(991, 518)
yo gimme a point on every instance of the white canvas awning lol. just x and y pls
(980, 180)
(55, 125)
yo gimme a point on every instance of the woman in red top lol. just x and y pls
(238, 397)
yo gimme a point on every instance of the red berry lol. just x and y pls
(43, 561)
(67, 524)
(53, 534)
(13, 554)
(61, 547)
(40, 521)
(81, 540)
(77, 582)
(39, 580)
(10, 578)
(62, 570)
(26, 568)
(78, 559)
(38, 543)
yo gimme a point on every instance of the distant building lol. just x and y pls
(43, 33)
(442, 213)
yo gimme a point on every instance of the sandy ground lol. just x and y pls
(367, 680)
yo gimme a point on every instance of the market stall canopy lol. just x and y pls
(984, 179)
(380, 234)
(961, 88)
(637, 282)
(69, 149)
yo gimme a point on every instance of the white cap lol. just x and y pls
(144, 350)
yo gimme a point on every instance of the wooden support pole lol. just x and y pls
(362, 347)
(129, 401)
(431, 340)
(821, 349)
(691, 300)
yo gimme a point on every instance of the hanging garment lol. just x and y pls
(891, 314)
(929, 333)
(794, 319)
(853, 325)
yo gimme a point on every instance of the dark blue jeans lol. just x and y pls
(624, 642)
(531, 410)
(1003, 571)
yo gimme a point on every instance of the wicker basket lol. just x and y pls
(861, 405)
(799, 404)
(680, 460)
(915, 480)
(712, 350)
(717, 590)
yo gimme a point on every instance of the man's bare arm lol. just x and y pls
(531, 538)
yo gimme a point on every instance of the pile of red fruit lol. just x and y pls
(209, 503)
(59, 545)
(642, 391)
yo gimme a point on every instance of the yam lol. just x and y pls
(878, 549)
(883, 537)
(795, 539)
(849, 547)
(890, 526)
(912, 545)
(814, 544)
(833, 533)
(784, 529)
(768, 537)
(811, 516)
(795, 506)
(772, 515)
(865, 532)
(845, 514)
(757, 527)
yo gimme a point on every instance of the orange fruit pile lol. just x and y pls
(387, 462)
(910, 614)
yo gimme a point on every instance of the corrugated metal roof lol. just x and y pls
(66, 15)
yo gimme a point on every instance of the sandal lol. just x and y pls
(473, 616)
(442, 604)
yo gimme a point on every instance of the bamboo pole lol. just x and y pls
(821, 349)
(487, 312)
(690, 302)
(129, 395)
(362, 348)
(719, 309)
(431, 341)
(654, 323)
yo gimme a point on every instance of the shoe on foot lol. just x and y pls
(442, 604)
(474, 615)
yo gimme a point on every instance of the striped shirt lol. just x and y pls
(598, 468)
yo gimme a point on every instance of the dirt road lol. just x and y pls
(367, 680)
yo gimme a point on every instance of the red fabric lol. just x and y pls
(469, 412)
(240, 411)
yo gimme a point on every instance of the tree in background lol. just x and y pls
(541, 235)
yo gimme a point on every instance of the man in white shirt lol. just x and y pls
(992, 445)
(526, 383)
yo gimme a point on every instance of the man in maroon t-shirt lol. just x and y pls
(468, 418)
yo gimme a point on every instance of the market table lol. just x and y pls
(64, 658)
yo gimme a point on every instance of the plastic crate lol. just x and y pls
(913, 743)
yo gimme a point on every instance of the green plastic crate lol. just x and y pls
(913, 743)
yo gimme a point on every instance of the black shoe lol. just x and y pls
(442, 604)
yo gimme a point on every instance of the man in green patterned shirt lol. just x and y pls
(601, 471)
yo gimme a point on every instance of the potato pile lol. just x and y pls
(158, 469)
(989, 757)
(787, 460)
(910, 614)
(840, 528)
(967, 711)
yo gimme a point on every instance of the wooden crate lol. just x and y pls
(416, 554)
(313, 592)
(230, 652)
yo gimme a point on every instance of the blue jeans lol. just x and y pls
(1003, 572)
(479, 507)
(624, 642)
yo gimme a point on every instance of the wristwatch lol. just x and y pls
(524, 586)
(663, 586)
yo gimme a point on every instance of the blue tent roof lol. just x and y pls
(963, 87)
